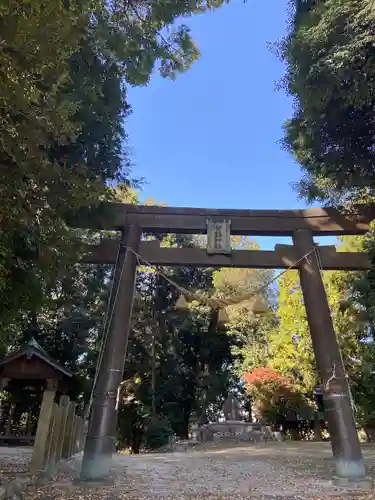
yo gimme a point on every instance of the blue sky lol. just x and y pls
(211, 138)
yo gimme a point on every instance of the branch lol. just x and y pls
(145, 22)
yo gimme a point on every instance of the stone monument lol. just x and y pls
(232, 409)
(234, 427)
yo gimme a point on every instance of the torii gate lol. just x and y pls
(301, 225)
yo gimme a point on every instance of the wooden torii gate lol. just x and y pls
(301, 225)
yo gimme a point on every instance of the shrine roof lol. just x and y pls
(32, 348)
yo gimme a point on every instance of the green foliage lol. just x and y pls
(249, 332)
(63, 102)
(291, 351)
(364, 391)
(290, 343)
(69, 324)
(331, 133)
(34, 69)
(132, 418)
(146, 34)
(157, 433)
(360, 291)
(363, 284)
(192, 354)
(65, 174)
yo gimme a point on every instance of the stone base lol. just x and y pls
(362, 483)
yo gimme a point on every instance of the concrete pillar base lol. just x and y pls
(82, 483)
(365, 483)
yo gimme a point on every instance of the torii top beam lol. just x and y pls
(155, 219)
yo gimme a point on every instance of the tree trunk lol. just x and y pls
(137, 432)
(185, 427)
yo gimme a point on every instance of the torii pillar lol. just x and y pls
(101, 437)
(341, 424)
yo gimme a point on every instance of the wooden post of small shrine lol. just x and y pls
(53, 455)
(42, 433)
(73, 436)
(3, 385)
(344, 438)
(64, 405)
(66, 451)
(100, 442)
(12, 409)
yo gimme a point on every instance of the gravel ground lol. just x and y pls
(13, 461)
(270, 471)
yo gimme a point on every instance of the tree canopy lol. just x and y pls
(64, 71)
(331, 133)
(329, 58)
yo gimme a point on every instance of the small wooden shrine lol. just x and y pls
(26, 374)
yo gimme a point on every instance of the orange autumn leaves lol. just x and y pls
(273, 394)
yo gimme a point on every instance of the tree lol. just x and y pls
(34, 68)
(290, 346)
(363, 388)
(146, 34)
(194, 358)
(181, 359)
(331, 134)
(360, 298)
(290, 343)
(62, 131)
(249, 332)
(273, 395)
(70, 323)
